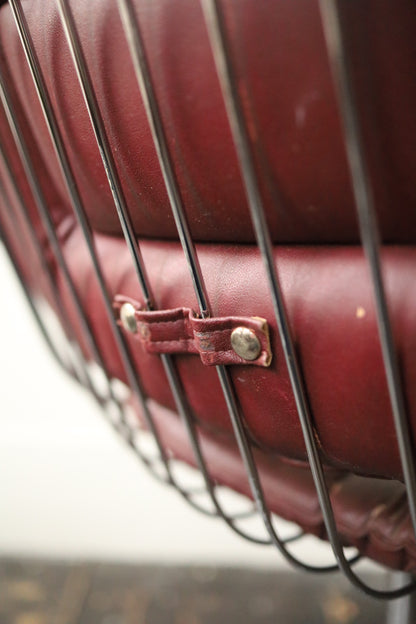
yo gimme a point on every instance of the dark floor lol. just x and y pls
(39, 592)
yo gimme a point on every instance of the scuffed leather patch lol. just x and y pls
(181, 331)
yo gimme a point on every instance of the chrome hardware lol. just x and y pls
(245, 343)
(128, 318)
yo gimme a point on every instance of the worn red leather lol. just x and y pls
(371, 514)
(330, 306)
(288, 100)
(288, 97)
(181, 331)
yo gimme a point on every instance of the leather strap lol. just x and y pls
(180, 331)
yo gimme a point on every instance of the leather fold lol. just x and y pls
(180, 330)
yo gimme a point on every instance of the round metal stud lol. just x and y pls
(245, 343)
(128, 318)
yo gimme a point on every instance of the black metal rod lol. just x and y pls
(79, 211)
(124, 217)
(370, 238)
(31, 301)
(149, 99)
(235, 113)
(219, 44)
(46, 268)
(47, 223)
(104, 147)
(128, 230)
(143, 77)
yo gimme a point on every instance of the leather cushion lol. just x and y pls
(331, 312)
(370, 514)
(286, 88)
(304, 181)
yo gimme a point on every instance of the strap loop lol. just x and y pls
(222, 340)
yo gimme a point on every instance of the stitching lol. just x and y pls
(189, 325)
(150, 322)
(226, 329)
(205, 332)
(233, 353)
(178, 342)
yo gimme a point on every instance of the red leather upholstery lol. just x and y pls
(290, 105)
(329, 302)
(288, 96)
(180, 330)
(371, 514)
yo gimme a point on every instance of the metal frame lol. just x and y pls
(369, 238)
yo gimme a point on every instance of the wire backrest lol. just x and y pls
(369, 239)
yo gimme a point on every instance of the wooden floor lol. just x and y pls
(39, 592)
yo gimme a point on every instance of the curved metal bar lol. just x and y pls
(370, 237)
(196, 448)
(29, 299)
(137, 52)
(42, 208)
(254, 478)
(45, 218)
(80, 214)
(107, 159)
(217, 34)
(243, 150)
(143, 77)
(128, 231)
(120, 204)
(116, 426)
(45, 268)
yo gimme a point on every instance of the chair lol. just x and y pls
(199, 191)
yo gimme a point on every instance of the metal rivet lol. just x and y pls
(245, 343)
(128, 318)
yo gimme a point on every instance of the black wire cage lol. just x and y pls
(96, 376)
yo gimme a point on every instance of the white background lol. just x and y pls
(70, 488)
